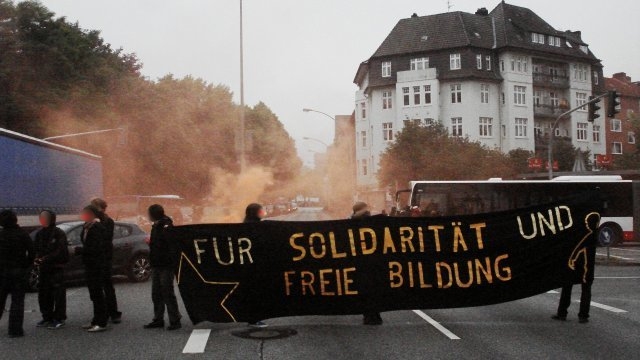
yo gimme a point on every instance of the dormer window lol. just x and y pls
(420, 63)
(386, 69)
(555, 41)
(537, 38)
(455, 62)
(584, 49)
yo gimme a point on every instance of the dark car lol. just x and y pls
(130, 253)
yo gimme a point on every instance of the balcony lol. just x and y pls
(542, 140)
(546, 111)
(417, 75)
(550, 80)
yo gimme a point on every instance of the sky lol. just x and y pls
(304, 53)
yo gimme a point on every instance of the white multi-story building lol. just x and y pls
(498, 77)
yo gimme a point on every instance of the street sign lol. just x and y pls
(604, 160)
(555, 165)
(535, 163)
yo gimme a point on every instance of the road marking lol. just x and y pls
(625, 249)
(605, 307)
(436, 325)
(617, 277)
(552, 292)
(197, 341)
(616, 257)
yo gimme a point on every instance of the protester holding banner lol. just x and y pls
(361, 211)
(163, 257)
(254, 213)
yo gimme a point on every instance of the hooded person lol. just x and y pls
(94, 238)
(16, 257)
(254, 213)
(52, 253)
(361, 211)
(163, 256)
(107, 282)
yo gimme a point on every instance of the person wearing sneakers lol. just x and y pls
(52, 254)
(94, 238)
(163, 255)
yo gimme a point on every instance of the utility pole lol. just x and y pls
(241, 143)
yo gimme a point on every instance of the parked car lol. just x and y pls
(130, 253)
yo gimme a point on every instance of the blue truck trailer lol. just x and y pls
(37, 175)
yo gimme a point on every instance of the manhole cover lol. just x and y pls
(265, 334)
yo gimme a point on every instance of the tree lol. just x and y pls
(429, 153)
(519, 160)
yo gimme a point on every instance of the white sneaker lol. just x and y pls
(96, 328)
(87, 326)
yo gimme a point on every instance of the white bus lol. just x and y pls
(448, 198)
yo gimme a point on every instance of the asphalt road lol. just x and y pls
(516, 330)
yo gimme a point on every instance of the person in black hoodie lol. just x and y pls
(107, 283)
(254, 213)
(361, 211)
(52, 254)
(94, 239)
(163, 256)
(16, 257)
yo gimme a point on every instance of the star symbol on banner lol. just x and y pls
(184, 258)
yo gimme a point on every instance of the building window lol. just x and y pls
(504, 100)
(456, 93)
(479, 62)
(581, 100)
(584, 49)
(420, 63)
(363, 108)
(555, 41)
(486, 127)
(616, 125)
(616, 148)
(386, 68)
(427, 94)
(582, 131)
(554, 99)
(596, 78)
(484, 93)
(631, 137)
(537, 38)
(519, 95)
(456, 127)
(488, 61)
(365, 167)
(537, 97)
(454, 62)
(596, 133)
(521, 128)
(502, 65)
(580, 72)
(429, 121)
(504, 130)
(387, 131)
(387, 102)
(416, 95)
(405, 92)
(363, 138)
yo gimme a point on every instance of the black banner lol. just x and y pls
(249, 272)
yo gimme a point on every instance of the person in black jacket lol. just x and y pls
(107, 283)
(163, 256)
(361, 211)
(254, 213)
(52, 254)
(16, 257)
(94, 239)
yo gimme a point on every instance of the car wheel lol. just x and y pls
(34, 279)
(608, 235)
(140, 268)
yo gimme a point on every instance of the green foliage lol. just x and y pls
(429, 153)
(58, 78)
(519, 160)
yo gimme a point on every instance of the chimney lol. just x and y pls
(414, 15)
(622, 77)
(482, 11)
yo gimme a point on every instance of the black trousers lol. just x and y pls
(13, 282)
(163, 296)
(95, 277)
(585, 301)
(52, 295)
(110, 293)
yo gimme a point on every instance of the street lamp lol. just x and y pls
(564, 105)
(243, 162)
(319, 112)
(316, 140)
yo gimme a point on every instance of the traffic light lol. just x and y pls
(593, 109)
(613, 104)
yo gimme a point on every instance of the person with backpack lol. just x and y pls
(52, 253)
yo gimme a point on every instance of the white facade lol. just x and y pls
(514, 113)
